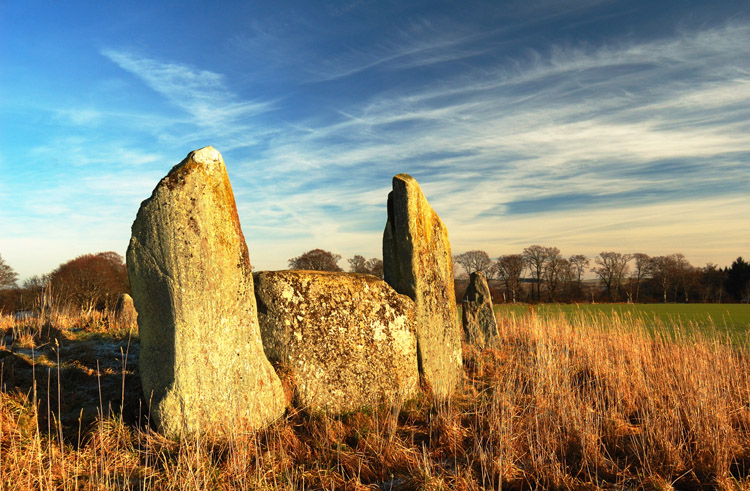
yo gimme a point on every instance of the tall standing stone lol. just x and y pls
(201, 359)
(480, 324)
(417, 262)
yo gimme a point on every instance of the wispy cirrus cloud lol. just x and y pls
(201, 93)
(420, 45)
(521, 125)
(589, 129)
(589, 95)
(214, 111)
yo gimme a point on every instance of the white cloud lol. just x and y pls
(216, 114)
(420, 45)
(188, 88)
(704, 229)
(665, 119)
(591, 121)
(80, 116)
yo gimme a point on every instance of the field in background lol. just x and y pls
(571, 401)
(723, 321)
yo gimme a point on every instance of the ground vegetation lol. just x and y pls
(555, 403)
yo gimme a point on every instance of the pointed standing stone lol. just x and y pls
(417, 262)
(480, 324)
(201, 360)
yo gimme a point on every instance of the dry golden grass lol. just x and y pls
(597, 404)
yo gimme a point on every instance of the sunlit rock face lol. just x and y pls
(347, 340)
(417, 262)
(480, 324)
(201, 359)
(125, 313)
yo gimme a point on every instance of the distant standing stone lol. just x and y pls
(417, 262)
(480, 324)
(347, 339)
(201, 360)
(125, 313)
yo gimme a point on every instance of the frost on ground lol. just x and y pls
(74, 370)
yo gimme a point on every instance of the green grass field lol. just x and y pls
(722, 320)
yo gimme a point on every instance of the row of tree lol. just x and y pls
(539, 273)
(95, 281)
(320, 260)
(633, 277)
(88, 282)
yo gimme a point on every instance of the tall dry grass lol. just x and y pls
(598, 403)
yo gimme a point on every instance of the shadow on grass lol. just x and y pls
(74, 377)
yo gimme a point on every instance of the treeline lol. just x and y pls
(543, 274)
(88, 282)
(538, 274)
(95, 281)
(320, 260)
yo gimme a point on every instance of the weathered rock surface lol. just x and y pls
(347, 339)
(480, 324)
(125, 313)
(417, 262)
(201, 362)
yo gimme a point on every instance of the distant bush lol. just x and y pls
(91, 281)
(8, 293)
(8, 276)
(374, 266)
(316, 260)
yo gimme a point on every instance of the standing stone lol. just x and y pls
(201, 360)
(347, 340)
(125, 313)
(480, 324)
(417, 262)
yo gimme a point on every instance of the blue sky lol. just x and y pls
(588, 125)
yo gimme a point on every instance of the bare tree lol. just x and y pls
(613, 266)
(556, 264)
(569, 280)
(662, 268)
(373, 266)
(316, 260)
(536, 258)
(8, 276)
(36, 282)
(475, 261)
(509, 269)
(37, 292)
(641, 270)
(358, 264)
(580, 263)
(684, 276)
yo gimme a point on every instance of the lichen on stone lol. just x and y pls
(350, 344)
(201, 360)
(417, 262)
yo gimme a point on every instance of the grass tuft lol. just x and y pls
(589, 402)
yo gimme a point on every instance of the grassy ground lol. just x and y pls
(721, 320)
(557, 403)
